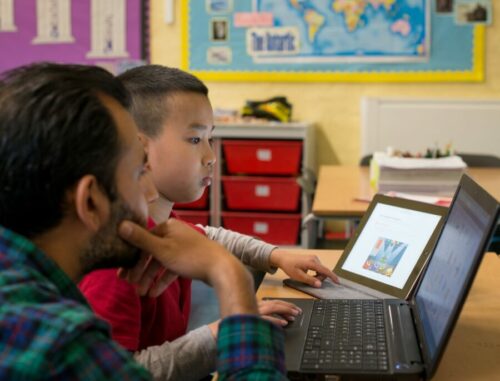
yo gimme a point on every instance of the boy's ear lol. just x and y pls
(145, 144)
(144, 140)
(92, 205)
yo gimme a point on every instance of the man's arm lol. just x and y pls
(182, 250)
(250, 348)
(175, 246)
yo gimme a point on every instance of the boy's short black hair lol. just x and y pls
(54, 129)
(149, 86)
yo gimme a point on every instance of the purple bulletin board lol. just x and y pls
(20, 43)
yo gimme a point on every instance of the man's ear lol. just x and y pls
(92, 205)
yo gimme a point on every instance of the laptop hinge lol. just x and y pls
(402, 337)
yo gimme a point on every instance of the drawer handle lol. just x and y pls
(261, 227)
(264, 154)
(262, 190)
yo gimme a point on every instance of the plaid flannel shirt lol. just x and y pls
(47, 330)
(250, 348)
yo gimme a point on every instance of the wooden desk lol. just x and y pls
(473, 351)
(339, 186)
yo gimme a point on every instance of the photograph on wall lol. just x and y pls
(473, 12)
(219, 6)
(444, 6)
(219, 29)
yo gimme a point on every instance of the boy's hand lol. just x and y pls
(278, 311)
(297, 265)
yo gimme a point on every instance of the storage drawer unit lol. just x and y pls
(275, 228)
(255, 150)
(262, 157)
(261, 193)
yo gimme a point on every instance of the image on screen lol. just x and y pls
(385, 256)
(391, 244)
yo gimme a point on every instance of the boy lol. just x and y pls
(71, 170)
(174, 116)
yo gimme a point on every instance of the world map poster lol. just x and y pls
(342, 30)
(328, 40)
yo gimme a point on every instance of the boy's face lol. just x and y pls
(181, 157)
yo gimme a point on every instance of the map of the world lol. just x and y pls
(342, 30)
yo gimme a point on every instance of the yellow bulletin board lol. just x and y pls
(227, 41)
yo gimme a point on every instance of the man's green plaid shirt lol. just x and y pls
(48, 331)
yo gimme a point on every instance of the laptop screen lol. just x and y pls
(390, 244)
(449, 269)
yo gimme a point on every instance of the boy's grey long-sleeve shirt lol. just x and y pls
(193, 356)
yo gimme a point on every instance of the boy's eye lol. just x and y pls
(211, 141)
(194, 140)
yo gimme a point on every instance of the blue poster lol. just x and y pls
(329, 40)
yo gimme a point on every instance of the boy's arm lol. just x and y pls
(265, 257)
(190, 357)
(249, 250)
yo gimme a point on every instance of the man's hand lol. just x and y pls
(297, 265)
(151, 286)
(175, 246)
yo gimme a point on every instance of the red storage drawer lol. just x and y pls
(261, 193)
(275, 228)
(194, 216)
(201, 203)
(262, 157)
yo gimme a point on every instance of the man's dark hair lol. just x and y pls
(54, 129)
(150, 86)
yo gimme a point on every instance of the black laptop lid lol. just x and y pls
(442, 291)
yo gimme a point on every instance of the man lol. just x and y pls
(71, 170)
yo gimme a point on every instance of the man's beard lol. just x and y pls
(106, 249)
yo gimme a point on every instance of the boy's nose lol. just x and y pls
(210, 158)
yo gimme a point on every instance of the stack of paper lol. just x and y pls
(438, 177)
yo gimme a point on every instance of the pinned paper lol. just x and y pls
(53, 21)
(273, 41)
(7, 16)
(253, 19)
(108, 29)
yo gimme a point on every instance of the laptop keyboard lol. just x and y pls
(346, 334)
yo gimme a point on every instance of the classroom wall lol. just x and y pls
(334, 107)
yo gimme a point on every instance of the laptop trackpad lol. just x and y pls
(329, 290)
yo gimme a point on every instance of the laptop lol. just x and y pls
(393, 338)
(386, 254)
